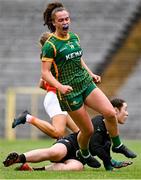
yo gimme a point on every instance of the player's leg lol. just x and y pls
(83, 121)
(58, 117)
(43, 125)
(100, 103)
(53, 109)
(71, 124)
(55, 153)
(68, 165)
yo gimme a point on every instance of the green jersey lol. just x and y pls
(65, 55)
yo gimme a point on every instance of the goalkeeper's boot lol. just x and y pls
(90, 160)
(12, 158)
(21, 119)
(124, 150)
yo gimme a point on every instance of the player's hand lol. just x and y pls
(96, 78)
(120, 164)
(65, 89)
(126, 163)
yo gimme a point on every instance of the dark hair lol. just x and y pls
(117, 102)
(48, 14)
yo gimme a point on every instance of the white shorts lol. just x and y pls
(52, 106)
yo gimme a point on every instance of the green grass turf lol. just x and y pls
(20, 146)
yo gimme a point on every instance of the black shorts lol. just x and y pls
(71, 144)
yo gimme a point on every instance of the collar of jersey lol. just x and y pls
(68, 36)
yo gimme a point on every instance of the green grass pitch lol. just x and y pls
(20, 146)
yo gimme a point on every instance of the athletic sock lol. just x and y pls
(29, 118)
(22, 158)
(85, 153)
(116, 141)
(39, 169)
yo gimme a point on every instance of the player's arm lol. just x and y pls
(96, 78)
(48, 54)
(47, 76)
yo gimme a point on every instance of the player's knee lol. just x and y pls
(110, 114)
(55, 155)
(57, 133)
(79, 166)
(74, 165)
(91, 131)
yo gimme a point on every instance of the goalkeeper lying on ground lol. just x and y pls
(64, 151)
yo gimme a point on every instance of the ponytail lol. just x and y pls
(48, 14)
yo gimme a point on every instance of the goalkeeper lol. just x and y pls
(100, 142)
(99, 145)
